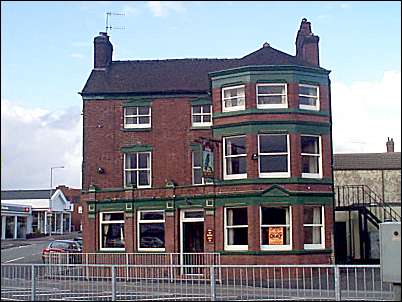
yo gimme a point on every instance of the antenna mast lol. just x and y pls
(109, 27)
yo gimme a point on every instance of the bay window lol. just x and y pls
(235, 156)
(272, 96)
(233, 98)
(276, 228)
(309, 97)
(311, 156)
(274, 159)
(314, 227)
(236, 229)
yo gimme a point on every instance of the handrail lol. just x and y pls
(352, 195)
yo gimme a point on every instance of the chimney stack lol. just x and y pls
(390, 145)
(103, 50)
(307, 44)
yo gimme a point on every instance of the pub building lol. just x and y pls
(229, 156)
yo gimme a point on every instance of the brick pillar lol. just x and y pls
(250, 93)
(293, 95)
(219, 231)
(90, 232)
(252, 164)
(326, 155)
(328, 225)
(253, 228)
(209, 224)
(129, 234)
(295, 157)
(171, 238)
(297, 227)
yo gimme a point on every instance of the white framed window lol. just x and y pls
(233, 98)
(236, 228)
(201, 115)
(112, 231)
(309, 97)
(79, 209)
(151, 230)
(273, 155)
(235, 157)
(137, 117)
(272, 95)
(311, 156)
(198, 179)
(313, 227)
(137, 169)
(276, 228)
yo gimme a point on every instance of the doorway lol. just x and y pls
(191, 240)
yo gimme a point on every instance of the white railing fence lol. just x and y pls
(202, 282)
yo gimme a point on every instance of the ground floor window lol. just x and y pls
(276, 228)
(151, 230)
(236, 229)
(112, 231)
(314, 227)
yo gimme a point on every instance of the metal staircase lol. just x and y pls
(370, 208)
(363, 198)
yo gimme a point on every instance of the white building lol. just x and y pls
(49, 213)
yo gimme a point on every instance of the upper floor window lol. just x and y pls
(198, 179)
(233, 98)
(201, 115)
(272, 96)
(235, 156)
(311, 156)
(314, 227)
(137, 117)
(276, 228)
(236, 229)
(137, 170)
(309, 97)
(273, 151)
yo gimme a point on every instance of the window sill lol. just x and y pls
(274, 175)
(281, 106)
(235, 176)
(150, 250)
(234, 109)
(309, 175)
(200, 127)
(314, 247)
(135, 129)
(276, 248)
(309, 108)
(238, 248)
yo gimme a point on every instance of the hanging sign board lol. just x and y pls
(207, 160)
(275, 236)
(210, 236)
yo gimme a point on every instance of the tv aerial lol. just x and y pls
(108, 26)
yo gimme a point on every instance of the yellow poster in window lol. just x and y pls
(275, 236)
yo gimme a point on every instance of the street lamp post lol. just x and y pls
(50, 195)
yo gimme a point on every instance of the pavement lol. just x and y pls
(10, 243)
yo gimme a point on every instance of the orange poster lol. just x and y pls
(275, 236)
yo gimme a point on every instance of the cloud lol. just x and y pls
(130, 10)
(364, 114)
(35, 139)
(162, 8)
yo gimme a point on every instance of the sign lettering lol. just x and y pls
(275, 236)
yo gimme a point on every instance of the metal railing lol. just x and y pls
(362, 195)
(217, 283)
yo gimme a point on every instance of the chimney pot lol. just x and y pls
(390, 145)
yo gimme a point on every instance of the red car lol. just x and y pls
(60, 247)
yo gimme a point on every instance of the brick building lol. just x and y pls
(265, 119)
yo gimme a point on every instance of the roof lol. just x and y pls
(368, 161)
(25, 194)
(176, 75)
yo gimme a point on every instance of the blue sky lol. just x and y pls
(47, 55)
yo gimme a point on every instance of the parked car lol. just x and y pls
(79, 240)
(61, 247)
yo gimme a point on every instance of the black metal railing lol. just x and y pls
(355, 196)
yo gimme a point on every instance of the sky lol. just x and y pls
(47, 56)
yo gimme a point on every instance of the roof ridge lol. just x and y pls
(182, 59)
